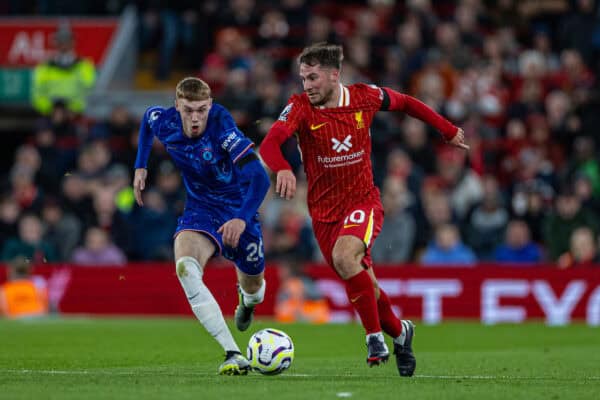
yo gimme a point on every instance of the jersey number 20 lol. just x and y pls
(255, 251)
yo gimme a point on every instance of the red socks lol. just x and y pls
(361, 294)
(389, 322)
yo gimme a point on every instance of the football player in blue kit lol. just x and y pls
(225, 184)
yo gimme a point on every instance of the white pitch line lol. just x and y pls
(291, 375)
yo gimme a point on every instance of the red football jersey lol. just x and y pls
(336, 149)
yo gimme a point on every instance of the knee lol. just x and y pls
(188, 266)
(344, 263)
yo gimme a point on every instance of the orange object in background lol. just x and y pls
(23, 298)
(293, 305)
(23, 295)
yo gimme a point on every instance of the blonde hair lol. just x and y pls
(192, 89)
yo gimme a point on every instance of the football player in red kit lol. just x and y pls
(332, 122)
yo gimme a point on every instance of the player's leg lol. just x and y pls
(250, 265)
(347, 255)
(402, 331)
(192, 252)
(251, 292)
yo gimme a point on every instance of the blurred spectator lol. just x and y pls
(238, 97)
(560, 225)
(231, 51)
(106, 216)
(486, 222)
(9, 215)
(98, 250)
(397, 237)
(116, 130)
(579, 28)
(400, 166)
(62, 131)
(51, 171)
(29, 243)
(168, 183)
(241, 14)
(23, 295)
(319, 30)
(173, 22)
(585, 162)
(432, 211)
(292, 235)
(461, 183)
(24, 190)
(583, 250)
(65, 76)
(298, 298)
(518, 246)
(75, 197)
(584, 191)
(447, 249)
(62, 229)
(530, 202)
(417, 144)
(154, 224)
(118, 180)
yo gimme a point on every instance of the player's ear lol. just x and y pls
(176, 104)
(335, 74)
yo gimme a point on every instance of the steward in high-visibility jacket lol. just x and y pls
(64, 77)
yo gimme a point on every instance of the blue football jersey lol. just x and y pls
(206, 162)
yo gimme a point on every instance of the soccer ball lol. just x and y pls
(270, 351)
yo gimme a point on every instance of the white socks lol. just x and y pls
(204, 305)
(252, 299)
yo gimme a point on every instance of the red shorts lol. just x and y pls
(363, 222)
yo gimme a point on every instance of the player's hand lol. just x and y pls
(231, 231)
(286, 184)
(139, 183)
(459, 140)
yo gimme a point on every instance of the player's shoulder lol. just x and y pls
(364, 88)
(155, 115)
(220, 118)
(296, 103)
(366, 92)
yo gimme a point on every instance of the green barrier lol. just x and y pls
(15, 85)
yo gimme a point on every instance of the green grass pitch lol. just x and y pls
(79, 358)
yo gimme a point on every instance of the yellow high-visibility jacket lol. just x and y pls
(71, 84)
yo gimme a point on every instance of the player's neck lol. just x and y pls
(334, 100)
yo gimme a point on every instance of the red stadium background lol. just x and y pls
(490, 294)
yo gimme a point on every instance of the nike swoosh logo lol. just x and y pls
(350, 225)
(315, 127)
(354, 300)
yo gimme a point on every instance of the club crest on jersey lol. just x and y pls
(344, 145)
(358, 116)
(207, 154)
(285, 112)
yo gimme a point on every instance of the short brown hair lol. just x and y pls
(324, 54)
(192, 89)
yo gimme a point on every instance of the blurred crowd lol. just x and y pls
(520, 77)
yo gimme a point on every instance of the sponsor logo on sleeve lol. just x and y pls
(231, 141)
(284, 114)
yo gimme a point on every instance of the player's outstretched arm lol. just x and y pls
(396, 101)
(145, 138)
(139, 184)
